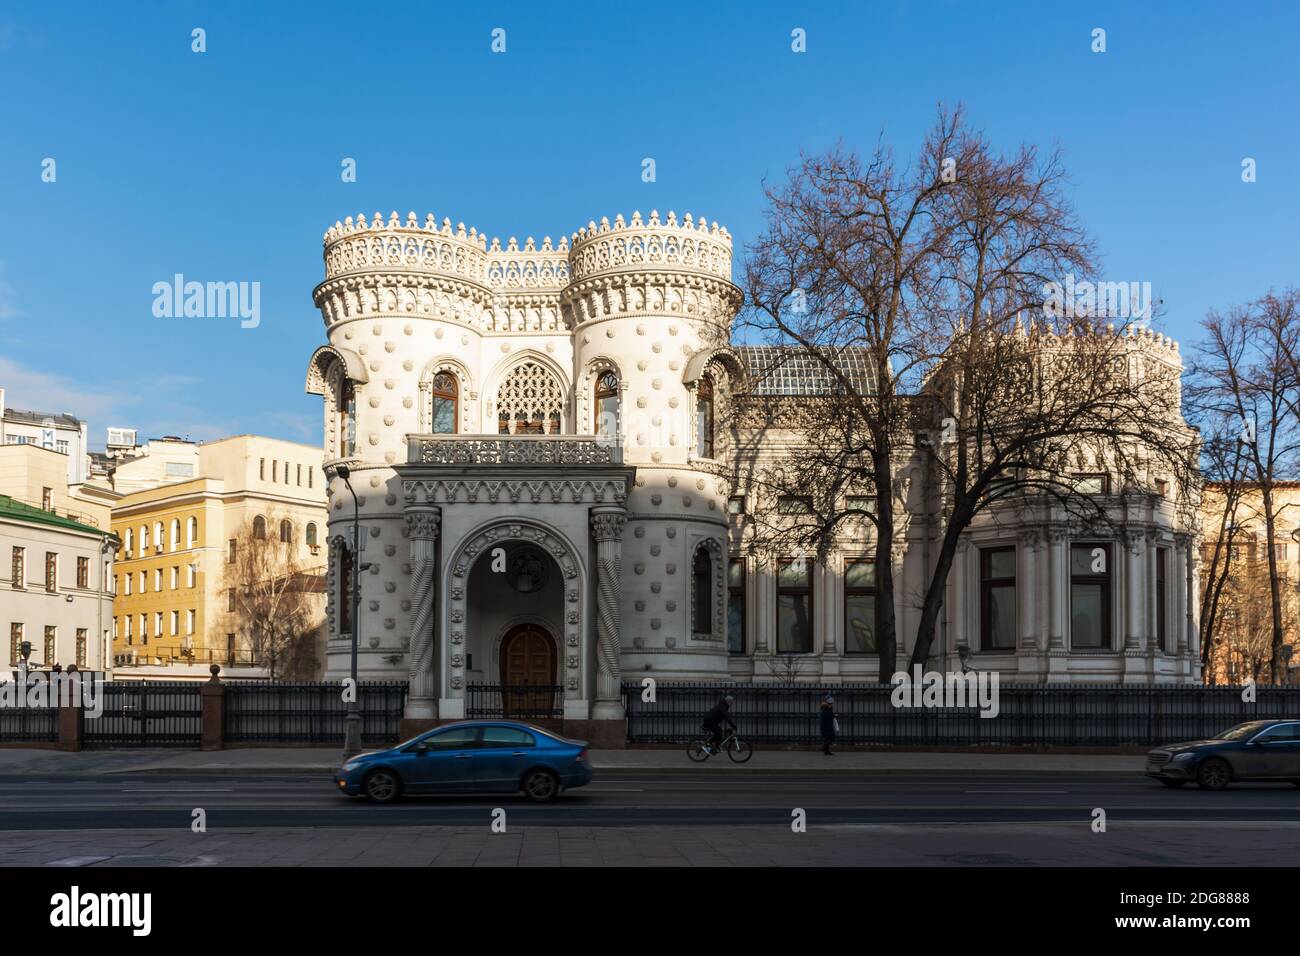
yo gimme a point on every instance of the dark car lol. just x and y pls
(491, 756)
(1259, 750)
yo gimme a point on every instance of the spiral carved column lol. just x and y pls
(607, 529)
(422, 525)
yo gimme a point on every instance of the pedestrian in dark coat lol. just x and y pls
(830, 726)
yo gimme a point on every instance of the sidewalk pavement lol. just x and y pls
(325, 760)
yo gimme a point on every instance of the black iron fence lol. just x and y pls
(525, 702)
(145, 714)
(1037, 715)
(262, 712)
(22, 724)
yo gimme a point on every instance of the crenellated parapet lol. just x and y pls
(382, 266)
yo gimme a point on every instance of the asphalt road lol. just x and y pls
(632, 799)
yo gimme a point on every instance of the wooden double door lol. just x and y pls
(528, 660)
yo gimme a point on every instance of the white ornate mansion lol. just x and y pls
(530, 435)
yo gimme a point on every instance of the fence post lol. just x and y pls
(213, 703)
(69, 706)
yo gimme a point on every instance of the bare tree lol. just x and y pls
(276, 596)
(840, 275)
(1246, 375)
(1032, 380)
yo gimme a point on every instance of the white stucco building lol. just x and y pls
(545, 498)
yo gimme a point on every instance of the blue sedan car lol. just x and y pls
(491, 756)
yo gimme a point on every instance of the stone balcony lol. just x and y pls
(523, 450)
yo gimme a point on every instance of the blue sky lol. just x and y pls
(225, 166)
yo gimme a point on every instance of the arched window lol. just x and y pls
(530, 402)
(259, 528)
(176, 534)
(445, 394)
(192, 533)
(704, 418)
(347, 412)
(144, 538)
(286, 531)
(158, 535)
(702, 584)
(129, 541)
(311, 534)
(606, 404)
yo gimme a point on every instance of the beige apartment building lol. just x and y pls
(174, 614)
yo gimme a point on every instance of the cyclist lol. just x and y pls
(714, 720)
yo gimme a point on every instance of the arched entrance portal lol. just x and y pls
(528, 670)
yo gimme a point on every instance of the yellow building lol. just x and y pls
(172, 610)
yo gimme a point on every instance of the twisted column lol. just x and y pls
(607, 525)
(422, 526)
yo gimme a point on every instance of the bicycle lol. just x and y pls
(738, 750)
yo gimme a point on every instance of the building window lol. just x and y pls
(15, 643)
(997, 598)
(1162, 487)
(1162, 598)
(606, 404)
(144, 583)
(51, 571)
(144, 628)
(794, 607)
(275, 471)
(310, 472)
(860, 503)
(81, 647)
(443, 412)
(189, 622)
(860, 607)
(230, 600)
(144, 538)
(530, 402)
(17, 569)
(230, 648)
(1090, 596)
(793, 505)
(157, 580)
(158, 535)
(736, 606)
(129, 542)
(176, 576)
(83, 572)
(286, 532)
(311, 534)
(126, 581)
(232, 550)
(261, 469)
(704, 418)
(47, 499)
(297, 471)
(1092, 484)
(190, 573)
(702, 584)
(130, 638)
(176, 534)
(176, 623)
(259, 528)
(51, 636)
(348, 418)
(736, 505)
(158, 623)
(345, 590)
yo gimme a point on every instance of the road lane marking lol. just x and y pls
(173, 790)
(1017, 791)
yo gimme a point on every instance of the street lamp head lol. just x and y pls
(344, 472)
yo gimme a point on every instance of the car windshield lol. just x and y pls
(1242, 731)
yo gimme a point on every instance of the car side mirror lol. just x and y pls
(421, 748)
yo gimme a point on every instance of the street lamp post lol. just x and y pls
(352, 723)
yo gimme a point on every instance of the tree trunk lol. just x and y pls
(886, 641)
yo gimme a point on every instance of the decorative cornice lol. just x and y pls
(485, 490)
(517, 450)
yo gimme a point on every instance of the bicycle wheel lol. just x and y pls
(739, 750)
(697, 751)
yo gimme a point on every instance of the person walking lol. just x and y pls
(830, 724)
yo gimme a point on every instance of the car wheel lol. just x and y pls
(1173, 783)
(540, 786)
(382, 786)
(1213, 775)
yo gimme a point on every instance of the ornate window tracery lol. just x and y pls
(446, 393)
(530, 401)
(606, 404)
(704, 418)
